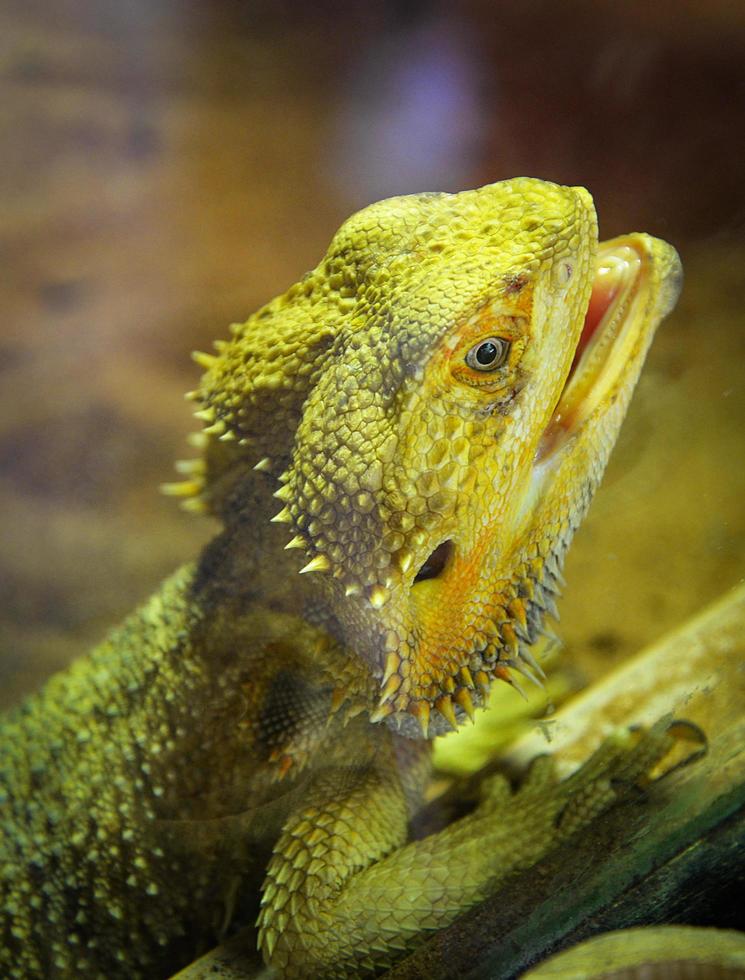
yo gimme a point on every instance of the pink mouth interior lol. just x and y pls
(605, 288)
(604, 291)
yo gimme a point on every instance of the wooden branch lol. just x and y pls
(675, 855)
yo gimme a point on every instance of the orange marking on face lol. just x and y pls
(441, 655)
(497, 315)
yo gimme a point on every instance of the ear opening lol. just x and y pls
(435, 565)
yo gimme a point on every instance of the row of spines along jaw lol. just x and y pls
(521, 623)
(463, 692)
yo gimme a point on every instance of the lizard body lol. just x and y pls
(417, 426)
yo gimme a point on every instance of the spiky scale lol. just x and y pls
(378, 596)
(550, 605)
(285, 764)
(197, 440)
(392, 663)
(522, 632)
(204, 360)
(528, 657)
(189, 466)
(297, 542)
(382, 711)
(483, 681)
(404, 560)
(554, 567)
(463, 698)
(353, 710)
(421, 711)
(526, 672)
(539, 597)
(445, 706)
(318, 564)
(391, 687)
(503, 674)
(269, 938)
(338, 697)
(509, 638)
(517, 611)
(391, 641)
(183, 488)
(194, 505)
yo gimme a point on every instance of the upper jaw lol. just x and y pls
(637, 281)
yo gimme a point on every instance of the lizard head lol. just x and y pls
(438, 400)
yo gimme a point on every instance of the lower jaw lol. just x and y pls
(506, 658)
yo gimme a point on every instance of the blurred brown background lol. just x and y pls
(167, 166)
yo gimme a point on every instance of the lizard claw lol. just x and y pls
(632, 757)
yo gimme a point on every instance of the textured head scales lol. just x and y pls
(403, 468)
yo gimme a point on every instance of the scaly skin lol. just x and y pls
(250, 723)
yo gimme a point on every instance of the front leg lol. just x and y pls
(345, 895)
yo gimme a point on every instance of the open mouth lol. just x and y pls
(606, 343)
(609, 335)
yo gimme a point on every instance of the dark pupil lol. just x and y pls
(486, 353)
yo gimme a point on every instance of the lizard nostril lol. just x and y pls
(435, 564)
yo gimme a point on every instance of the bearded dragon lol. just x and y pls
(399, 449)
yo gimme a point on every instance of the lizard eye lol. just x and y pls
(488, 354)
